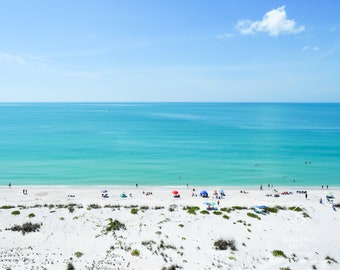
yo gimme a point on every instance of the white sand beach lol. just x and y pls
(161, 233)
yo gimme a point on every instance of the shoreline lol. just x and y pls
(238, 187)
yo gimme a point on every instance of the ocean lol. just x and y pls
(200, 144)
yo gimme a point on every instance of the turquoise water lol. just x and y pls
(222, 144)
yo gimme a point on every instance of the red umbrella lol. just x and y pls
(175, 192)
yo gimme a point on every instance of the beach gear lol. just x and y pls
(123, 195)
(204, 193)
(221, 191)
(210, 205)
(261, 209)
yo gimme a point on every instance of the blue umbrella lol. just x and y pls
(204, 192)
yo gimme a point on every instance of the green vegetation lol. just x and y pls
(305, 215)
(278, 253)
(252, 215)
(171, 267)
(181, 225)
(78, 254)
(330, 260)
(273, 209)
(205, 212)
(31, 215)
(295, 208)
(148, 244)
(222, 244)
(135, 252)
(70, 266)
(225, 209)
(93, 206)
(70, 208)
(192, 209)
(7, 207)
(114, 225)
(276, 208)
(26, 228)
(284, 268)
(16, 212)
(225, 216)
(134, 211)
(236, 207)
(217, 213)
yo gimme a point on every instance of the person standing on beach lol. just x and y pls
(136, 185)
(306, 195)
(9, 185)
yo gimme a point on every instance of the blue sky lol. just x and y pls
(170, 50)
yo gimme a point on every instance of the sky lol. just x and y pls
(170, 51)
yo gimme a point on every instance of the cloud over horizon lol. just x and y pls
(274, 22)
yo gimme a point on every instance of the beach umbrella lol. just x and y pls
(221, 191)
(204, 192)
(211, 204)
(175, 192)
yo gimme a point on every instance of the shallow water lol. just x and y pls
(223, 144)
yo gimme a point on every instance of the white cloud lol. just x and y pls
(274, 23)
(224, 36)
(5, 57)
(310, 48)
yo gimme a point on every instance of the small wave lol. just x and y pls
(178, 116)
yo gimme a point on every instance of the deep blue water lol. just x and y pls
(169, 144)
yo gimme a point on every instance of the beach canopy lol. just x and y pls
(175, 192)
(204, 192)
(210, 203)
